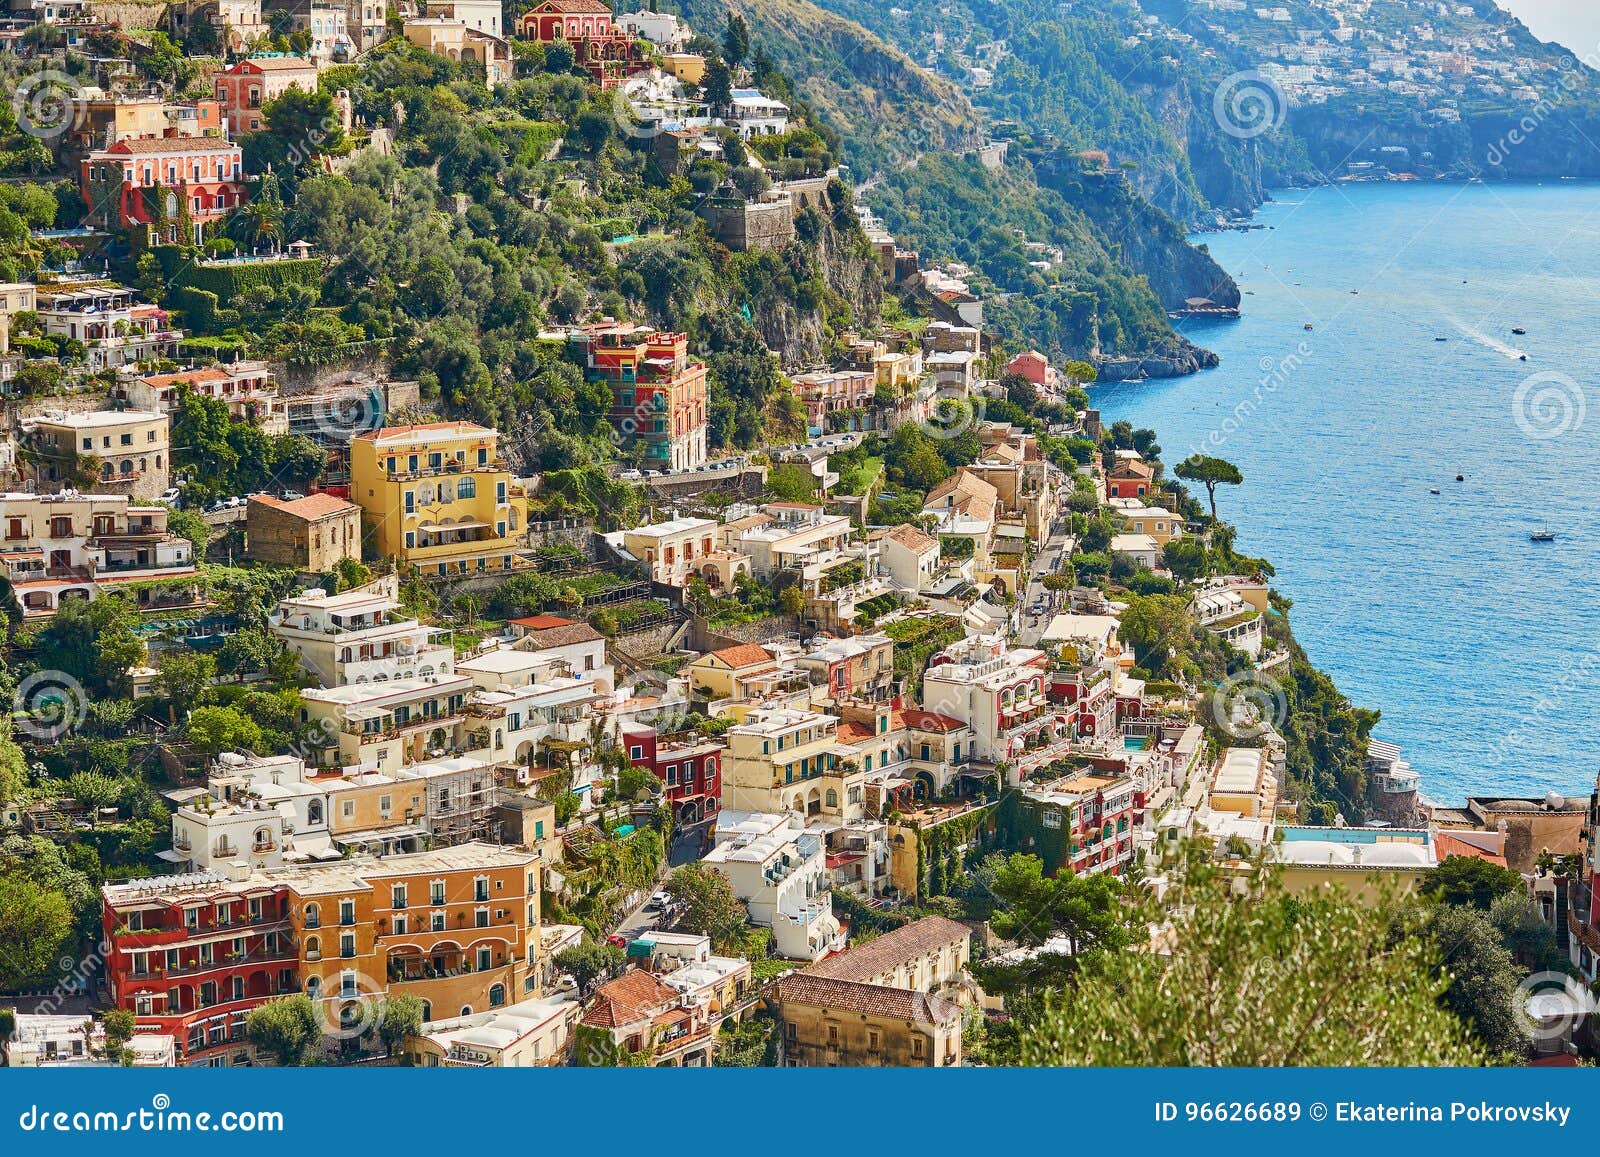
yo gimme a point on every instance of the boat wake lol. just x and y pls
(1485, 340)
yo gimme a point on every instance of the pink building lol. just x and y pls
(1034, 366)
(250, 83)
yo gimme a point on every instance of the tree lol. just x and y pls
(94, 790)
(119, 1026)
(38, 923)
(1522, 929)
(185, 677)
(1467, 881)
(287, 1029)
(590, 962)
(1155, 626)
(1210, 473)
(717, 85)
(736, 40)
(1034, 908)
(708, 905)
(399, 1019)
(792, 600)
(217, 729)
(559, 57)
(1267, 980)
(1480, 978)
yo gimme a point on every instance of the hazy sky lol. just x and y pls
(1575, 23)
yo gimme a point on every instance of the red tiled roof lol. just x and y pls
(564, 636)
(541, 622)
(930, 720)
(174, 145)
(628, 1000)
(310, 508)
(743, 655)
(1449, 845)
(870, 999)
(882, 953)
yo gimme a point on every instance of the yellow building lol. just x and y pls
(1244, 783)
(438, 497)
(688, 67)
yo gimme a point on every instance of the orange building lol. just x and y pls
(191, 955)
(658, 393)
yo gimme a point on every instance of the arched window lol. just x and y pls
(466, 1010)
(313, 987)
(832, 798)
(313, 951)
(313, 913)
(314, 812)
(497, 995)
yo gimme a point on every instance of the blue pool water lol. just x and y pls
(1480, 647)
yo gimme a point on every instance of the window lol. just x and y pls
(347, 944)
(497, 995)
(916, 1046)
(401, 925)
(634, 752)
(480, 888)
(436, 892)
(347, 912)
(348, 810)
(397, 894)
(485, 959)
(872, 1041)
(313, 916)
(436, 922)
(480, 917)
(313, 948)
(314, 812)
(467, 488)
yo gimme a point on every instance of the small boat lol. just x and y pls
(1543, 536)
(1461, 477)
(1519, 331)
(1433, 490)
(1441, 339)
(1308, 325)
(1522, 357)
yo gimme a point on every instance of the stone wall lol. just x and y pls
(573, 532)
(750, 224)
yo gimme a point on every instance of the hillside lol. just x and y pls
(887, 110)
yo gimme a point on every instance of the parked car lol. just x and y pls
(170, 497)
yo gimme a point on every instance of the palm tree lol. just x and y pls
(258, 221)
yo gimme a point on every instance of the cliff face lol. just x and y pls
(797, 328)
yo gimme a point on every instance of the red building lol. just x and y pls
(1034, 366)
(246, 85)
(597, 43)
(1129, 478)
(147, 183)
(658, 392)
(192, 955)
(689, 764)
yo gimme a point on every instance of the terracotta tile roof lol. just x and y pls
(541, 622)
(173, 145)
(628, 1000)
(563, 636)
(1132, 468)
(575, 6)
(744, 655)
(890, 950)
(870, 999)
(930, 720)
(310, 508)
(1448, 845)
(911, 538)
(970, 494)
(276, 63)
(854, 733)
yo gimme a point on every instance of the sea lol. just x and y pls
(1377, 360)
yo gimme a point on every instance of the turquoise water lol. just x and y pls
(1480, 647)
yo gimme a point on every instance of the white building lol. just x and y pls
(999, 692)
(780, 873)
(360, 636)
